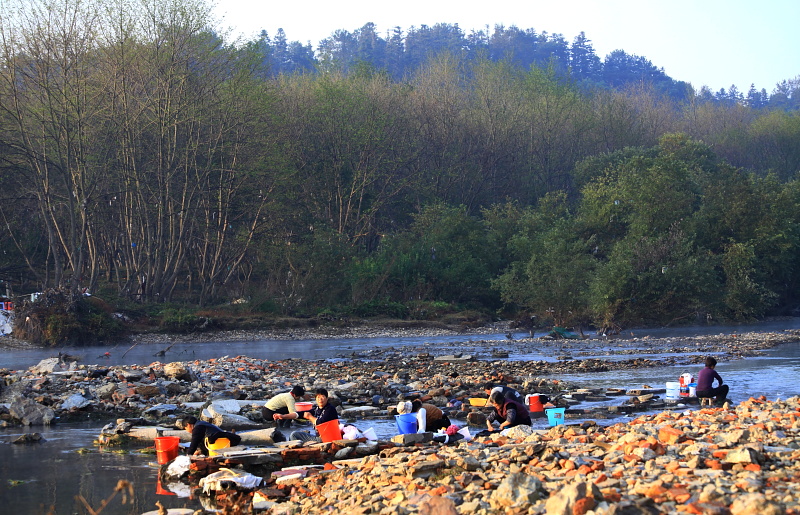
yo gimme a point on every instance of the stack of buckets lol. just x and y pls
(685, 380)
(685, 387)
(167, 448)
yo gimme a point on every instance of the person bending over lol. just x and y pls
(508, 412)
(508, 392)
(203, 432)
(429, 417)
(281, 408)
(705, 381)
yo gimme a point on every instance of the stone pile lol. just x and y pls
(737, 461)
(56, 391)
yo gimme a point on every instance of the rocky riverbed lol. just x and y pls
(733, 460)
(740, 459)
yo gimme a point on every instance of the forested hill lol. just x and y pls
(401, 52)
(147, 161)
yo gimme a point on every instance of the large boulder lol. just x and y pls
(76, 401)
(30, 412)
(178, 371)
(517, 491)
(584, 494)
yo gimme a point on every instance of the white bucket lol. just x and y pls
(369, 434)
(673, 390)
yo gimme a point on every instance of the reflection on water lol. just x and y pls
(36, 477)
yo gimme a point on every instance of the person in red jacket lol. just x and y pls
(705, 381)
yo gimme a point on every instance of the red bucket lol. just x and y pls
(329, 431)
(167, 448)
(534, 403)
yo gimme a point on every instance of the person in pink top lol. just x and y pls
(705, 382)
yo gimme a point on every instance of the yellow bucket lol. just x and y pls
(220, 443)
(477, 401)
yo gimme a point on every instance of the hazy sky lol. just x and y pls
(705, 42)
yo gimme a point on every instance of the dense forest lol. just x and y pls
(147, 160)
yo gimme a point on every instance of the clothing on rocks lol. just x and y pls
(205, 431)
(304, 436)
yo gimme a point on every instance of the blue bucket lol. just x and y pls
(555, 416)
(406, 423)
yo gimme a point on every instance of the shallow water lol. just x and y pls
(34, 478)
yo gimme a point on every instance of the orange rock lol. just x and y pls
(753, 467)
(670, 435)
(582, 506)
(439, 491)
(679, 494)
(656, 490)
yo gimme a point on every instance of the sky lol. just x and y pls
(712, 43)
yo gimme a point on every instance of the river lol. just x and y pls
(58, 472)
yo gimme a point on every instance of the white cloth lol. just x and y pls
(422, 416)
(212, 482)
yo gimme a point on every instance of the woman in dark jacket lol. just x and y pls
(203, 432)
(508, 412)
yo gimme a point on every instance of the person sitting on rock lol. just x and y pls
(204, 433)
(705, 381)
(508, 412)
(429, 417)
(508, 392)
(281, 408)
(321, 413)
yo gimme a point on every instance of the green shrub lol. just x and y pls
(376, 308)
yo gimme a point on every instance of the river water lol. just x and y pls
(66, 472)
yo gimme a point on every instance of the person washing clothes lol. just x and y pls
(508, 412)
(429, 417)
(203, 432)
(281, 408)
(705, 381)
(507, 391)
